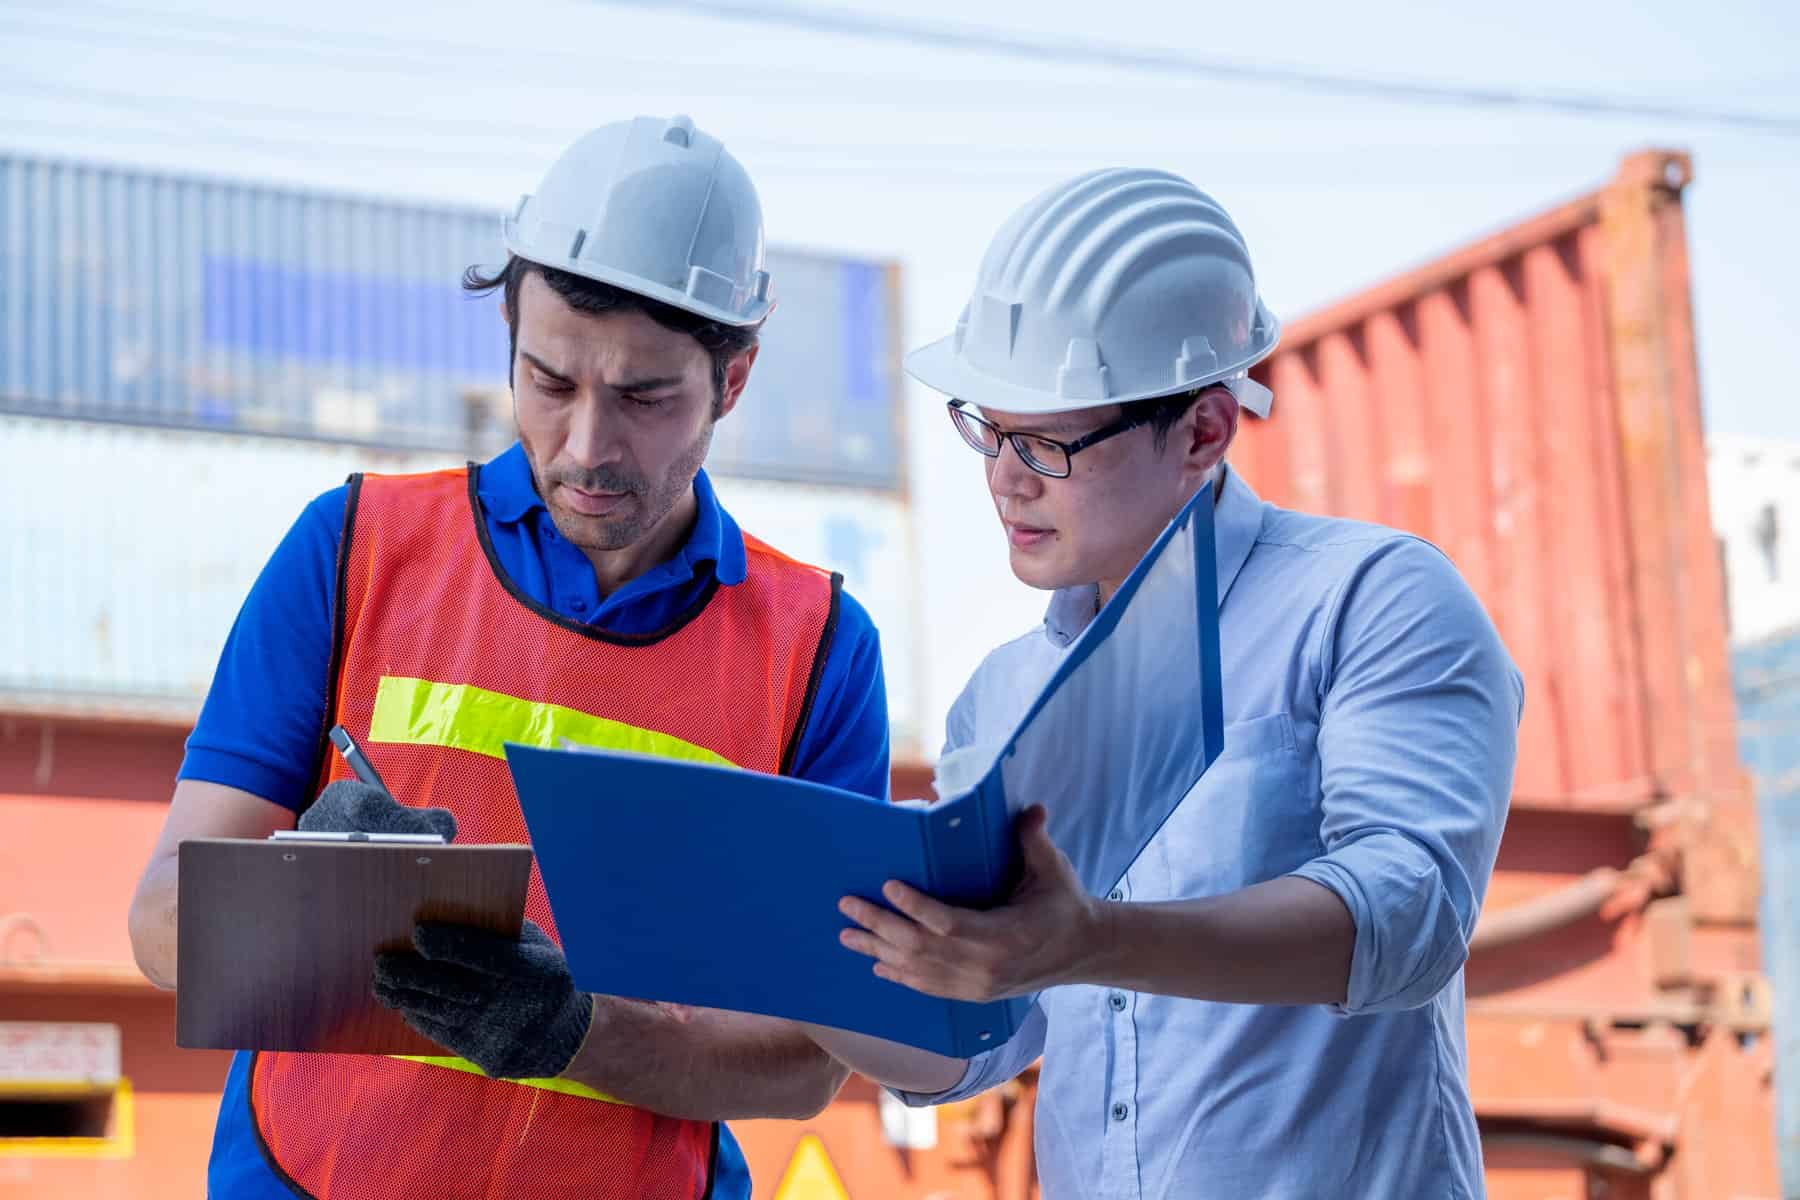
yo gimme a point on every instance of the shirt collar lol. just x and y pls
(508, 495)
(716, 536)
(1237, 519)
(1070, 610)
(506, 488)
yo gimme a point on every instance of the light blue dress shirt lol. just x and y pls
(1371, 730)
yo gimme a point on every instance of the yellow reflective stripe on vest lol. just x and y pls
(567, 1087)
(460, 716)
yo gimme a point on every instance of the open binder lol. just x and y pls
(718, 887)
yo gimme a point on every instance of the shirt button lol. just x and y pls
(1120, 1111)
(1117, 1000)
(578, 605)
(1116, 894)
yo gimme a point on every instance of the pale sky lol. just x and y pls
(916, 155)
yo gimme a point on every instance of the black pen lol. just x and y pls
(359, 762)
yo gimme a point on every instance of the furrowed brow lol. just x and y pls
(650, 383)
(543, 366)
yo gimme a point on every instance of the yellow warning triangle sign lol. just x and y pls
(810, 1175)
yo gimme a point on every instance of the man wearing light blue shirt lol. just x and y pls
(1269, 1004)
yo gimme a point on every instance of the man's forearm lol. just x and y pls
(153, 922)
(897, 1066)
(1287, 941)
(702, 1064)
(197, 810)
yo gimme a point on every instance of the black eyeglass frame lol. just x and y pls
(960, 411)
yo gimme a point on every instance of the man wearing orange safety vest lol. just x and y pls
(585, 583)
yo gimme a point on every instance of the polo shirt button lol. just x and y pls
(1117, 1000)
(1116, 894)
(578, 605)
(1120, 1111)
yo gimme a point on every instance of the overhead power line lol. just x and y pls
(169, 136)
(1090, 53)
(395, 136)
(237, 39)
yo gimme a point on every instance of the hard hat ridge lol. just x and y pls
(656, 207)
(1120, 284)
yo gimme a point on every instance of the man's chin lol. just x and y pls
(1032, 571)
(594, 533)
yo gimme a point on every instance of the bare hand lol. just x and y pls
(1042, 936)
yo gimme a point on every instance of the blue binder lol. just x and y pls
(718, 887)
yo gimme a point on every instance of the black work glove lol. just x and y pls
(510, 1007)
(351, 806)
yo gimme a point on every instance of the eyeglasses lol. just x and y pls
(1046, 456)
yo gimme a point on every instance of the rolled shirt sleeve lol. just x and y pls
(1418, 736)
(992, 1067)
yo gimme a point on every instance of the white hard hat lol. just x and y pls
(654, 207)
(1118, 285)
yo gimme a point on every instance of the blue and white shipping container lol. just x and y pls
(1766, 679)
(184, 362)
(193, 303)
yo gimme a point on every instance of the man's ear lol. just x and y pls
(512, 342)
(737, 374)
(1206, 431)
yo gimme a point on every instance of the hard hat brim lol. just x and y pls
(939, 367)
(637, 285)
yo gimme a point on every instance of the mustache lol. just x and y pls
(601, 480)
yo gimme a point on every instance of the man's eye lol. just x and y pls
(546, 384)
(646, 401)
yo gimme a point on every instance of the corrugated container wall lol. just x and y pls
(222, 306)
(1766, 674)
(127, 552)
(121, 586)
(1531, 405)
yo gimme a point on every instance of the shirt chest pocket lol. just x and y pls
(1253, 816)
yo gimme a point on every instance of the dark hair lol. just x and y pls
(1161, 412)
(721, 342)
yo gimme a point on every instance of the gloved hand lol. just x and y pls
(351, 806)
(510, 1007)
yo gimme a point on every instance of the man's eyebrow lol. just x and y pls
(1064, 429)
(543, 366)
(648, 383)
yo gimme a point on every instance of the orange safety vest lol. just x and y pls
(438, 660)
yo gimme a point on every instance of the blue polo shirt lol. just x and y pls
(259, 727)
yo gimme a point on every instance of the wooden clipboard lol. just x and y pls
(277, 939)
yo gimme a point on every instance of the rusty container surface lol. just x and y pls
(1530, 404)
(82, 799)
